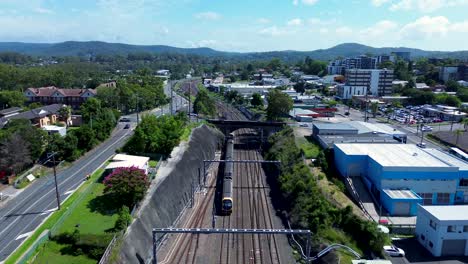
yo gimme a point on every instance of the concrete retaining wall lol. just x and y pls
(170, 195)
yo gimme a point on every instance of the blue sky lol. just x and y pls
(241, 25)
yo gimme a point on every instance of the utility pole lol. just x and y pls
(52, 155)
(137, 109)
(367, 103)
(172, 98)
(422, 135)
(189, 98)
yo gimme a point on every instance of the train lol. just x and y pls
(227, 199)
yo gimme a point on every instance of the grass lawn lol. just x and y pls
(94, 214)
(50, 252)
(51, 221)
(310, 148)
(91, 216)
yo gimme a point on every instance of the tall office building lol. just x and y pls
(371, 81)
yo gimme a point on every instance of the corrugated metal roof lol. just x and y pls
(337, 126)
(401, 194)
(396, 155)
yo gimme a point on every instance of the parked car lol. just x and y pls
(437, 120)
(394, 251)
(124, 119)
(303, 125)
(421, 145)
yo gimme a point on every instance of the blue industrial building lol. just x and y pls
(401, 176)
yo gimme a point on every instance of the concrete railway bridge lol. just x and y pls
(264, 129)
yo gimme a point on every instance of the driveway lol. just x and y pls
(415, 253)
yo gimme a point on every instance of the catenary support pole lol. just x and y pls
(155, 249)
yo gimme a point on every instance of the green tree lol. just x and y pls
(374, 108)
(127, 186)
(14, 154)
(90, 110)
(64, 114)
(11, 99)
(86, 137)
(279, 104)
(257, 100)
(204, 104)
(299, 87)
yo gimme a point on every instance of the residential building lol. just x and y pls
(110, 84)
(127, 161)
(422, 86)
(443, 230)
(360, 62)
(10, 111)
(54, 95)
(39, 117)
(361, 81)
(400, 176)
(163, 72)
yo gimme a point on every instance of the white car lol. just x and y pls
(426, 128)
(393, 251)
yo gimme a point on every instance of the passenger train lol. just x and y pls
(227, 199)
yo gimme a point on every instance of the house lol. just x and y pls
(111, 84)
(54, 95)
(422, 86)
(401, 176)
(126, 161)
(42, 116)
(443, 230)
(10, 111)
(163, 72)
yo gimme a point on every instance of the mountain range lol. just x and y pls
(76, 48)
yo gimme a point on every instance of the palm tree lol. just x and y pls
(388, 112)
(374, 108)
(458, 132)
(465, 123)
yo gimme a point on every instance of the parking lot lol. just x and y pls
(415, 253)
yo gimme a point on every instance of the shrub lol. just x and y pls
(124, 219)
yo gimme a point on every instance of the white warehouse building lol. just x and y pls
(443, 230)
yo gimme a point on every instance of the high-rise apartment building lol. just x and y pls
(366, 81)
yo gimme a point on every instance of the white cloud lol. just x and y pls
(41, 10)
(208, 16)
(379, 2)
(381, 28)
(305, 2)
(273, 31)
(309, 2)
(344, 31)
(426, 6)
(294, 22)
(426, 27)
(263, 20)
(202, 43)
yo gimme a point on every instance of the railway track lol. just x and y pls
(251, 209)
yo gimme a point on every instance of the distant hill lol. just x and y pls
(92, 48)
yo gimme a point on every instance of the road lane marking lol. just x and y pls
(49, 211)
(69, 192)
(24, 235)
(63, 182)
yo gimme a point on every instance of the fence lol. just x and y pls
(47, 234)
(114, 244)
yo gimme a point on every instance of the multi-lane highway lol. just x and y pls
(24, 213)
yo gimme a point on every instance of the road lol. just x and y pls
(25, 212)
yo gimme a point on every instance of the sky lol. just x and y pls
(241, 25)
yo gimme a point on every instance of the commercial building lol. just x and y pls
(447, 113)
(356, 132)
(372, 82)
(127, 161)
(455, 73)
(443, 230)
(54, 95)
(400, 176)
